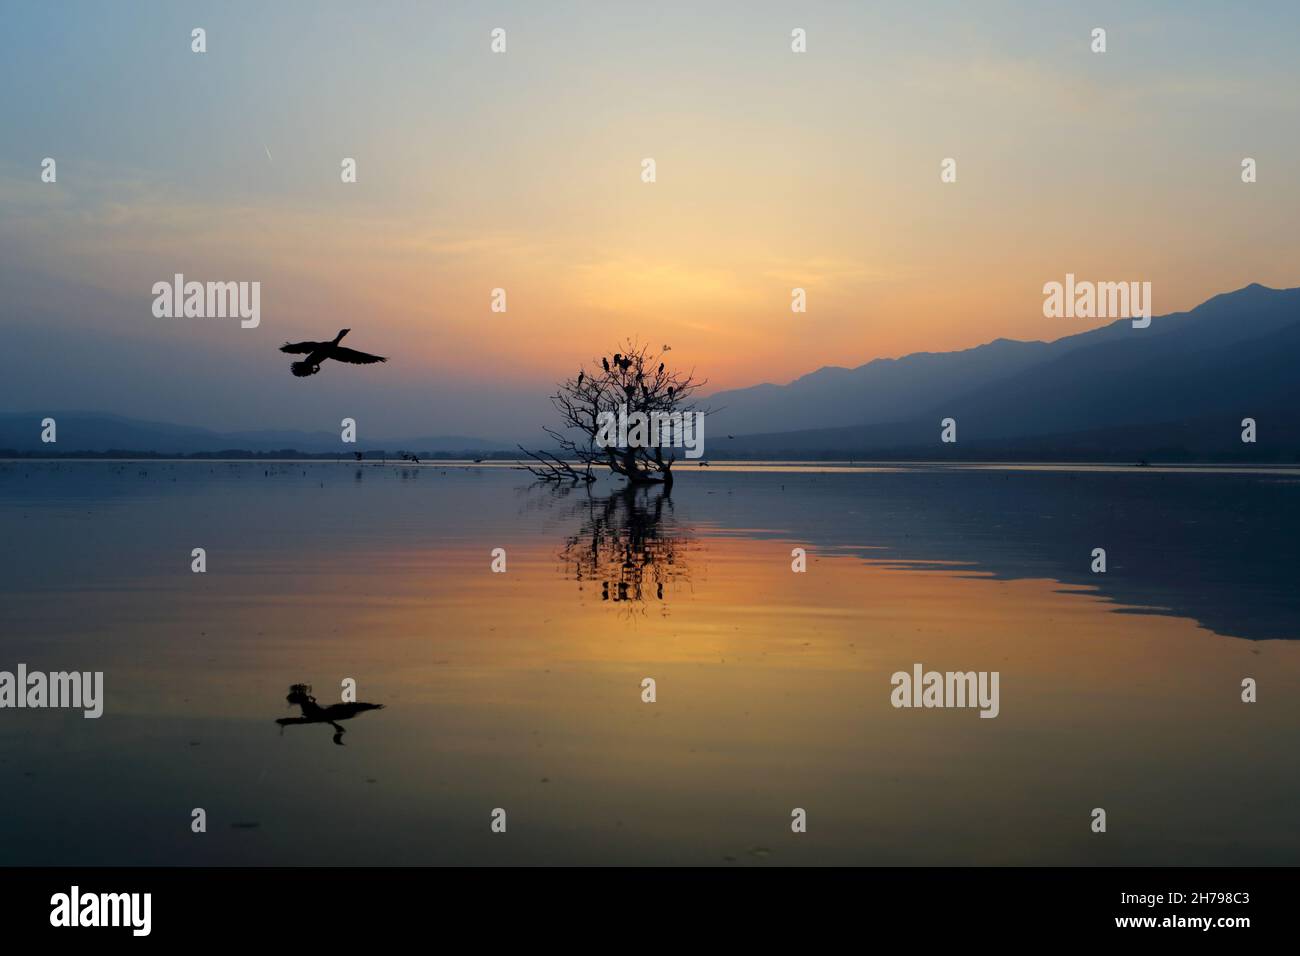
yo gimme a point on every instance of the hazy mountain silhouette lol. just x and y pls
(100, 432)
(1177, 390)
(1182, 386)
(883, 390)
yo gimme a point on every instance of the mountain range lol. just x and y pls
(1177, 390)
(99, 433)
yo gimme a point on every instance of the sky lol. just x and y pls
(522, 170)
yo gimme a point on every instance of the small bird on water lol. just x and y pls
(318, 352)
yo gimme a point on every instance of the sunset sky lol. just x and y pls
(522, 170)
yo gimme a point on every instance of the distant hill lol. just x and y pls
(1176, 390)
(98, 433)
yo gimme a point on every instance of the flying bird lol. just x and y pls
(668, 348)
(318, 352)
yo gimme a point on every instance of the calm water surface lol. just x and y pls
(522, 690)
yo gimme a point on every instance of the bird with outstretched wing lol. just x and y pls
(318, 352)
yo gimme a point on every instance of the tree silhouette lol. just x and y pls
(631, 379)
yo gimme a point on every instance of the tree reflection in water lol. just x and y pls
(627, 543)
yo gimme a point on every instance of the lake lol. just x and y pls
(523, 690)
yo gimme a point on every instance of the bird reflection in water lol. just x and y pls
(314, 713)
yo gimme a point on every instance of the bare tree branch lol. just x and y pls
(550, 468)
(631, 379)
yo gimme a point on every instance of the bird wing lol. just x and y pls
(354, 357)
(300, 348)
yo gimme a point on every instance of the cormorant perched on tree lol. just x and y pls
(318, 352)
(661, 368)
(605, 362)
(580, 375)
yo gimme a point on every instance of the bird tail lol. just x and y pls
(303, 369)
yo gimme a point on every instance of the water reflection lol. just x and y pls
(629, 543)
(314, 713)
(774, 688)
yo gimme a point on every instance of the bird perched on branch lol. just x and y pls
(318, 352)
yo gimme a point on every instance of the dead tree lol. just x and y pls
(623, 383)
